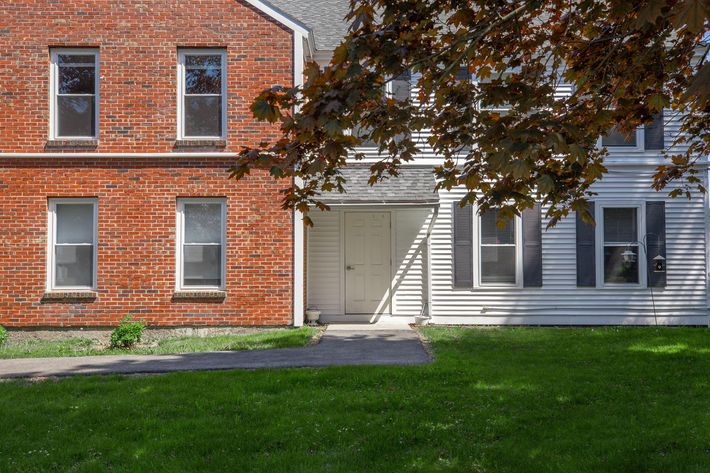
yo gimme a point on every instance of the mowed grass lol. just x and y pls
(83, 347)
(494, 400)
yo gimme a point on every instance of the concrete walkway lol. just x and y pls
(339, 346)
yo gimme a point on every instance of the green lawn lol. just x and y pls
(82, 346)
(495, 400)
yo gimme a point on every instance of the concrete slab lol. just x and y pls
(358, 346)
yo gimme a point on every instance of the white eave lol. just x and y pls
(286, 20)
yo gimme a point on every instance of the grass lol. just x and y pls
(494, 400)
(82, 346)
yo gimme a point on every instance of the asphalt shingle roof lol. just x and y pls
(413, 186)
(326, 18)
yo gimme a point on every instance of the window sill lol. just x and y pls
(63, 296)
(201, 143)
(60, 143)
(212, 295)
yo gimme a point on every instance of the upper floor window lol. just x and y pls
(74, 105)
(202, 93)
(618, 138)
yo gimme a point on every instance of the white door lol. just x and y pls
(367, 262)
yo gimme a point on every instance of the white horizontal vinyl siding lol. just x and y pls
(409, 289)
(685, 294)
(324, 265)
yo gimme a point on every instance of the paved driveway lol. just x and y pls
(337, 347)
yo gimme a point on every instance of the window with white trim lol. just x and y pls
(621, 258)
(499, 255)
(72, 244)
(617, 138)
(74, 104)
(202, 93)
(201, 243)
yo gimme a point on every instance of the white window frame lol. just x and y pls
(54, 88)
(52, 242)
(180, 238)
(477, 279)
(640, 137)
(182, 53)
(640, 231)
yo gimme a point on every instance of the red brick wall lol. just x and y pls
(137, 196)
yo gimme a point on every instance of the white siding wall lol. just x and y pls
(409, 282)
(560, 300)
(324, 265)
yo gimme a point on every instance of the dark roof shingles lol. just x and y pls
(412, 186)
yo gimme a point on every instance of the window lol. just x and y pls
(201, 243)
(499, 251)
(618, 138)
(620, 240)
(202, 91)
(399, 88)
(74, 105)
(72, 244)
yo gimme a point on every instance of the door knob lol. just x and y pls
(350, 268)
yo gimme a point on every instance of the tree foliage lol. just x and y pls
(624, 61)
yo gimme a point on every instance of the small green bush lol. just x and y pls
(3, 335)
(127, 334)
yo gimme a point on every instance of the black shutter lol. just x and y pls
(402, 86)
(653, 133)
(462, 245)
(586, 243)
(463, 74)
(532, 247)
(655, 241)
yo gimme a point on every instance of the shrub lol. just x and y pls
(3, 335)
(127, 334)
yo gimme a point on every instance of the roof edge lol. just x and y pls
(281, 16)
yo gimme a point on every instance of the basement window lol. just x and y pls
(202, 94)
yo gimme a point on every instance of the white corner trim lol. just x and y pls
(298, 230)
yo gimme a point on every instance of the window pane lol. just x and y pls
(620, 225)
(617, 138)
(203, 116)
(75, 59)
(203, 60)
(202, 266)
(75, 223)
(77, 80)
(75, 116)
(203, 223)
(203, 81)
(498, 264)
(619, 268)
(73, 266)
(491, 234)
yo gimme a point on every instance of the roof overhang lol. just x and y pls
(285, 19)
(414, 187)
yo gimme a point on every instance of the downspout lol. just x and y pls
(429, 296)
